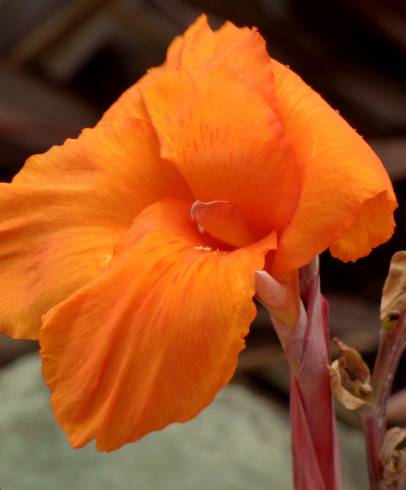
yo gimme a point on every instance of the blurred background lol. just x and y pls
(63, 62)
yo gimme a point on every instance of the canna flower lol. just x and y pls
(131, 251)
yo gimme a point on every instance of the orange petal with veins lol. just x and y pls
(373, 225)
(154, 338)
(240, 51)
(64, 212)
(347, 200)
(227, 143)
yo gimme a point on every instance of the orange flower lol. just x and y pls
(131, 251)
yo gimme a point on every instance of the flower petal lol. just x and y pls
(240, 51)
(371, 228)
(341, 174)
(63, 213)
(129, 104)
(153, 339)
(224, 222)
(226, 142)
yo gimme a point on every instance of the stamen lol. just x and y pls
(224, 221)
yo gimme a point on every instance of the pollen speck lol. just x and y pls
(107, 259)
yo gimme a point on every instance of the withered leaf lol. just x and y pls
(350, 378)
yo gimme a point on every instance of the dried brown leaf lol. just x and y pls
(393, 303)
(393, 457)
(350, 378)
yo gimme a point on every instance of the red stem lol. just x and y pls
(391, 346)
(314, 438)
(315, 454)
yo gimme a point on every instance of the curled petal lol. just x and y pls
(344, 185)
(63, 213)
(223, 221)
(373, 225)
(226, 142)
(240, 51)
(153, 339)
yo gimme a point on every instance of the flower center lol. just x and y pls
(224, 221)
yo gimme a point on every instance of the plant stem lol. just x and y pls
(370, 425)
(391, 346)
(315, 451)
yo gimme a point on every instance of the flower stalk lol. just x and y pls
(391, 346)
(315, 451)
(386, 469)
